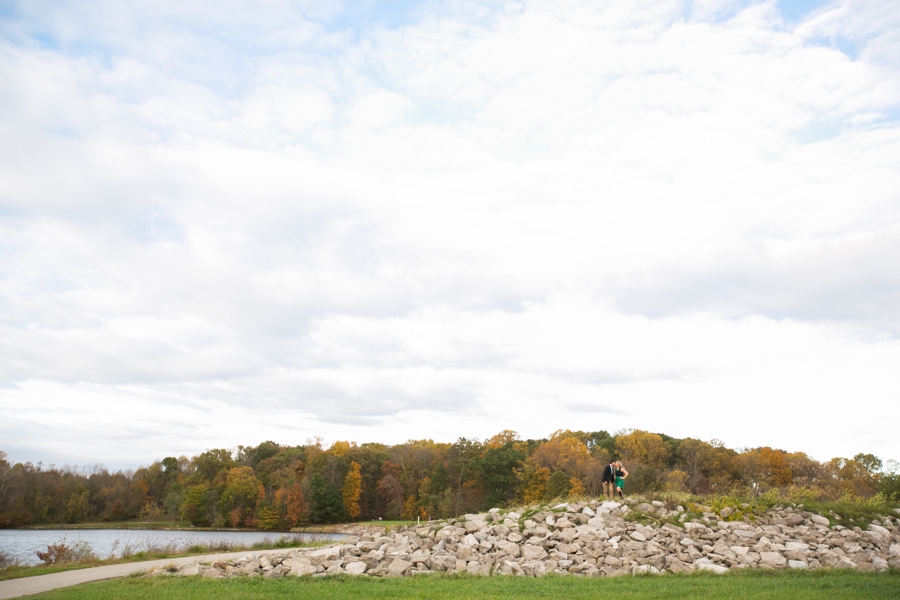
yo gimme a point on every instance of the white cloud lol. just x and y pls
(549, 215)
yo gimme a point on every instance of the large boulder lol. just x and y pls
(772, 559)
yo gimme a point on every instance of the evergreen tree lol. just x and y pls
(327, 503)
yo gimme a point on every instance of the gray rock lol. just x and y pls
(509, 548)
(772, 559)
(796, 546)
(277, 571)
(794, 520)
(356, 568)
(677, 566)
(844, 563)
(692, 527)
(195, 569)
(476, 568)
(712, 567)
(530, 552)
(212, 573)
(399, 566)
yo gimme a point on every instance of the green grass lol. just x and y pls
(853, 514)
(755, 584)
(337, 527)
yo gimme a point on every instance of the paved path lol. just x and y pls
(25, 586)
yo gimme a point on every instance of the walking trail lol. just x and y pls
(26, 586)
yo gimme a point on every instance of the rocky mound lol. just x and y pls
(587, 539)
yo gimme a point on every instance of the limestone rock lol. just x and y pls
(399, 566)
(708, 566)
(355, 568)
(692, 527)
(772, 559)
(584, 539)
(530, 552)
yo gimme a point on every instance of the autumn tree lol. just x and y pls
(351, 490)
(642, 447)
(391, 494)
(296, 507)
(240, 495)
(533, 483)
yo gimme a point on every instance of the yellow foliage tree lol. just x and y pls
(576, 488)
(502, 438)
(352, 490)
(643, 447)
(533, 483)
(341, 448)
(410, 508)
(676, 481)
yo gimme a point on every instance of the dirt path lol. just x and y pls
(26, 586)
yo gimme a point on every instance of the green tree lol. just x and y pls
(495, 470)
(890, 482)
(557, 485)
(195, 506)
(212, 462)
(174, 501)
(327, 504)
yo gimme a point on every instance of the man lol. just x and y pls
(609, 479)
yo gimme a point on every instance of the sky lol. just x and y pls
(225, 223)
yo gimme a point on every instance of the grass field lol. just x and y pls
(756, 584)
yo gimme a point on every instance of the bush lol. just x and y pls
(60, 553)
(7, 559)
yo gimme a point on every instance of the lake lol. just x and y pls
(22, 543)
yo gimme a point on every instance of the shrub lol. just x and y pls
(7, 559)
(60, 553)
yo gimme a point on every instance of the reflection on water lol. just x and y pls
(22, 543)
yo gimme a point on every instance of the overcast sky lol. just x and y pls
(381, 221)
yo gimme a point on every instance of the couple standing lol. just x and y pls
(613, 479)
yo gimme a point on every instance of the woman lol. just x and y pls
(621, 474)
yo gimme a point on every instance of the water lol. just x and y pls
(22, 543)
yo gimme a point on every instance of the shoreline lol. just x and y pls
(344, 528)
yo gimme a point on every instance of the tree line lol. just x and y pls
(275, 487)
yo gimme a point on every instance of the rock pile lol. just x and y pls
(587, 539)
